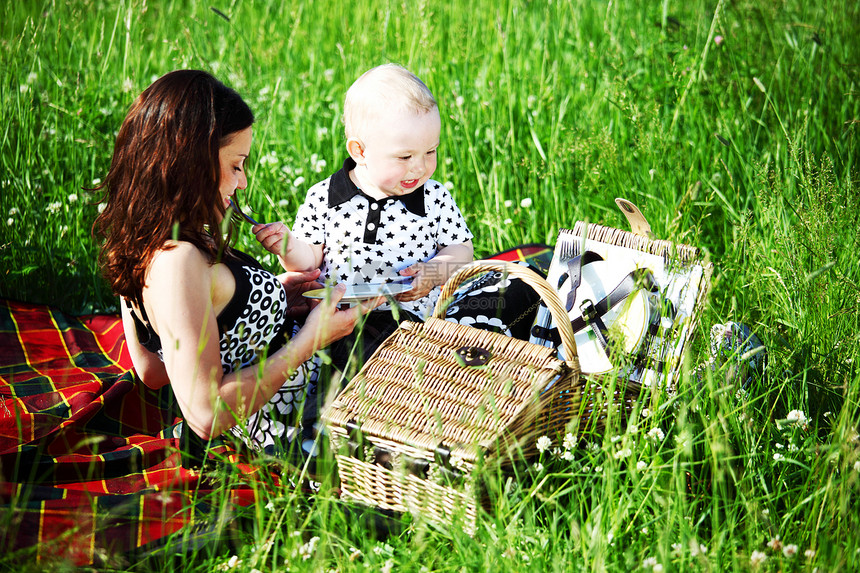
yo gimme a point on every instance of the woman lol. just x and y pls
(197, 314)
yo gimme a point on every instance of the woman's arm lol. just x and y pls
(181, 287)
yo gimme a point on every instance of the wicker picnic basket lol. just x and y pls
(438, 398)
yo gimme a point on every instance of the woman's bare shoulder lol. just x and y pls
(179, 258)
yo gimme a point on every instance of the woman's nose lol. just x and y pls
(243, 181)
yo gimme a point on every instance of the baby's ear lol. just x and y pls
(356, 150)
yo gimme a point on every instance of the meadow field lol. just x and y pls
(733, 125)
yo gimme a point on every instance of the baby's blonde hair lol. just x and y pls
(382, 89)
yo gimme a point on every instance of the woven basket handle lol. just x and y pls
(531, 278)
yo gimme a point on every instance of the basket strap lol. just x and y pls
(531, 278)
(636, 279)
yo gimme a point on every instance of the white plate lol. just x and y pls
(359, 292)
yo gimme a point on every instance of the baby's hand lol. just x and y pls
(422, 282)
(273, 236)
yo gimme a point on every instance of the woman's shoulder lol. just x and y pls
(179, 257)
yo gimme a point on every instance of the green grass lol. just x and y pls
(745, 146)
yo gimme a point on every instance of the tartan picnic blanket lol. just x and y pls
(89, 463)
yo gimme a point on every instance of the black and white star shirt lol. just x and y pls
(367, 240)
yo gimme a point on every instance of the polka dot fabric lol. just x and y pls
(258, 322)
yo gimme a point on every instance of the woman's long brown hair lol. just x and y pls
(165, 172)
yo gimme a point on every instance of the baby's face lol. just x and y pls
(399, 153)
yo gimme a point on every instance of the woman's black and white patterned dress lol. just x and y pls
(252, 325)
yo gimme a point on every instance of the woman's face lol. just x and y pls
(231, 158)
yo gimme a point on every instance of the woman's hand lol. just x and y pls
(296, 283)
(326, 323)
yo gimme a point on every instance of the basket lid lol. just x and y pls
(418, 388)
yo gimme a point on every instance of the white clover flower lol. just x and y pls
(809, 553)
(13, 211)
(270, 506)
(387, 566)
(677, 548)
(649, 562)
(645, 413)
(615, 439)
(270, 158)
(460, 101)
(538, 467)
(789, 550)
(23, 88)
(775, 543)
(283, 203)
(321, 132)
(54, 207)
(449, 185)
(530, 101)
(73, 197)
(641, 465)
(567, 456)
(307, 550)
(32, 77)
(757, 558)
(656, 434)
(779, 446)
(298, 181)
(10, 221)
(777, 457)
(264, 91)
(632, 429)
(543, 444)
(328, 74)
(507, 221)
(797, 417)
(526, 203)
(857, 466)
(101, 207)
(127, 85)
(622, 453)
(569, 441)
(96, 182)
(598, 470)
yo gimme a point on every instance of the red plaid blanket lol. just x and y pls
(89, 466)
(88, 462)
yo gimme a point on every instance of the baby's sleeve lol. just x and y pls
(451, 225)
(311, 217)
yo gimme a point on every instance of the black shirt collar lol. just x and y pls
(341, 189)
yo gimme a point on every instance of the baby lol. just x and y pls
(381, 218)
